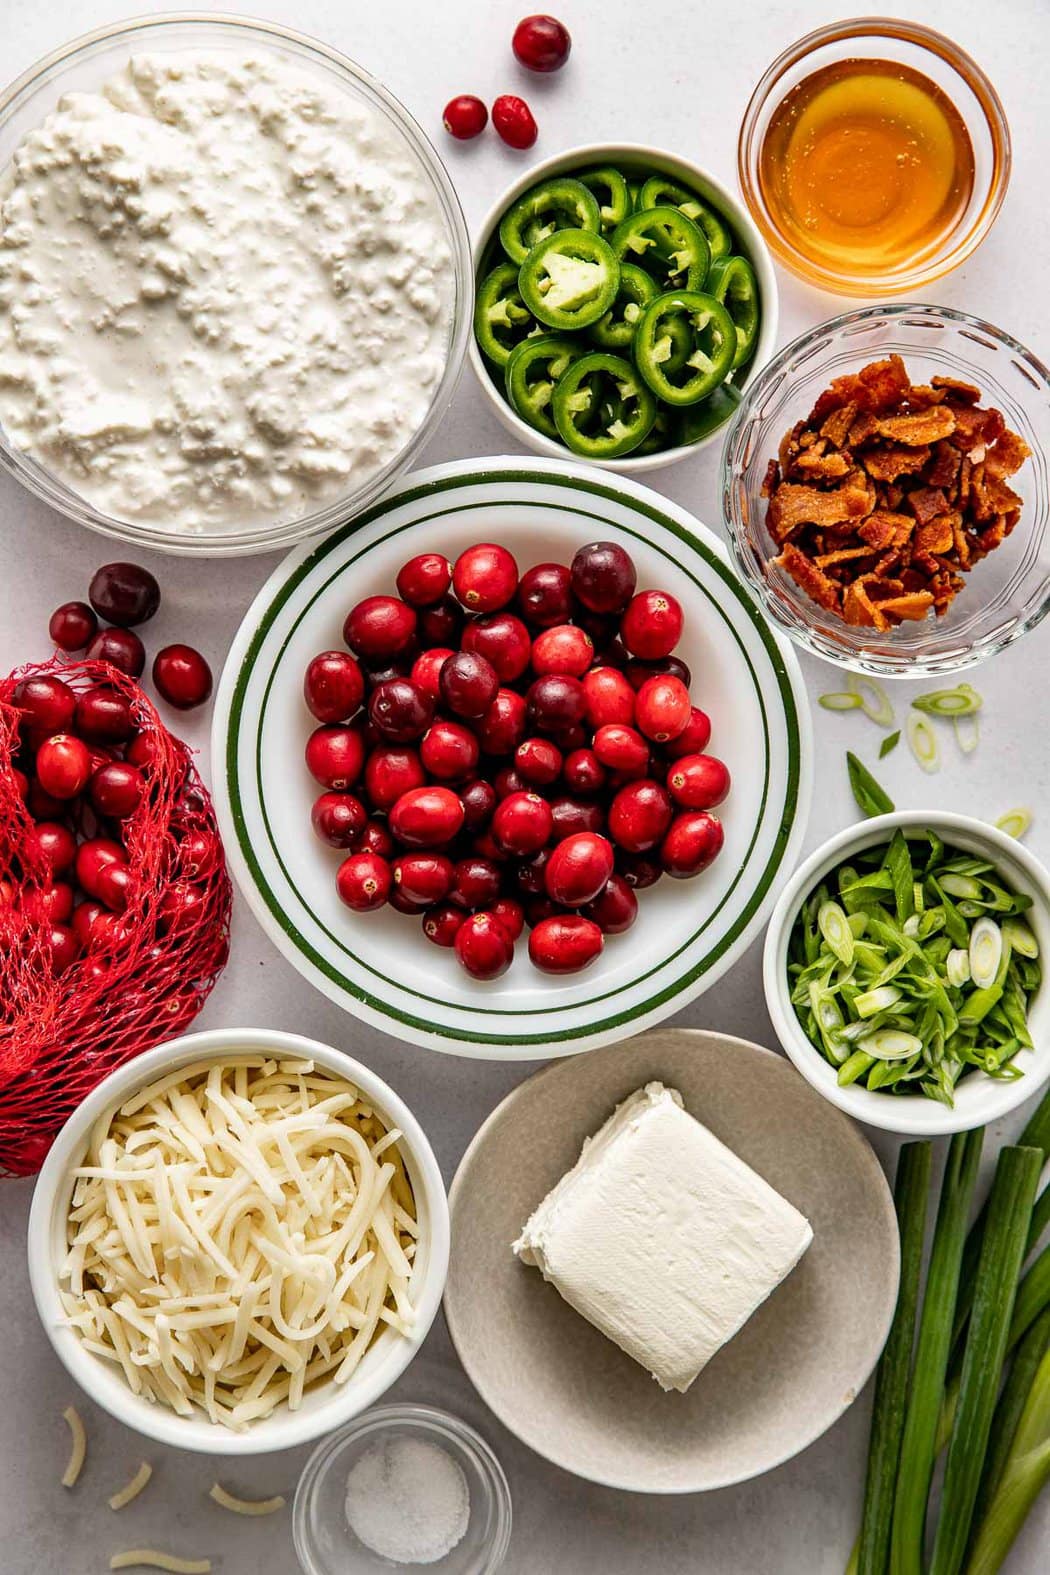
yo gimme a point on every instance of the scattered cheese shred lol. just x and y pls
(153, 1559)
(133, 1488)
(245, 1506)
(238, 1231)
(79, 1447)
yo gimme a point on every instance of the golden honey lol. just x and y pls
(866, 167)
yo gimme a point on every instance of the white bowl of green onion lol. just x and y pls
(903, 971)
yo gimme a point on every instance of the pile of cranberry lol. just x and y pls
(499, 751)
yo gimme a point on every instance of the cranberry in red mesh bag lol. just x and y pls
(114, 894)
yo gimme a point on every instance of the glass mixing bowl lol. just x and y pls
(87, 62)
(1005, 595)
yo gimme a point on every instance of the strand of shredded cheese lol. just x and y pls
(238, 1231)
(245, 1506)
(133, 1488)
(154, 1559)
(79, 1447)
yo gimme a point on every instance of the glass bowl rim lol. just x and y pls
(43, 484)
(916, 666)
(924, 38)
(427, 1419)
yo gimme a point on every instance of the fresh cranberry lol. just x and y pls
(389, 773)
(426, 669)
(449, 751)
(693, 739)
(426, 817)
(114, 884)
(513, 121)
(339, 819)
(182, 677)
(399, 666)
(503, 640)
(652, 625)
(121, 648)
(522, 823)
(574, 815)
(539, 908)
(538, 761)
(21, 783)
(603, 577)
(693, 841)
(639, 816)
(440, 924)
(622, 749)
(485, 577)
(583, 772)
(44, 806)
(510, 914)
(116, 789)
(530, 873)
(504, 724)
(49, 845)
(541, 43)
(578, 869)
(424, 878)
(94, 856)
(424, 580)
(377, 839)
(476, 882)
(544, 595)
(47, 705)
(486, 847)
(363, 881)
(124, 594)
(379, 627)
(63, 946)
(400, 711)
(53, 902)
(610, 698)
(84, 917)
(662, 709)
(468, 684)
(565, 943)
(555, 702)
(104, 717)
(509, 780)
(483, 946)
(479, 799)
(63, 765)
(698, 781)
(72, 625)
(616, 908)
(333, 687)
(143, 750)
(637, 672)
(441, 624)
(465, 117)
(200, 852)
(335, 755)
(563, 649)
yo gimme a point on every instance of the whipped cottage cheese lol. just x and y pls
(225, 292)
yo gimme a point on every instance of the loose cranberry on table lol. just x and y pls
(485, 577)
(121, 648)
(484, 947)
(464, 117)
(603, 577)
(182, 677)
(502, 639)
(565, 943)
(693, 841)
(578, 869)
(698, 781)
(124, 594)
(514, 122)
(363, 881)
(545, 594)
(379, 627)
(72, 625)
(541, 43)
(339, 819)
(652, 625)
(334, 686)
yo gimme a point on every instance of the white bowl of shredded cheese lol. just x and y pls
(239, 1241)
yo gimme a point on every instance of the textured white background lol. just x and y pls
(676, 75)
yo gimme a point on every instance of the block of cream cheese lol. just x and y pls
(662, 1238)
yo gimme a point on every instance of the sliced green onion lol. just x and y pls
(834, 926)
(961, 701)
(889, 744)
(967, 732)
(986, 952)
(911, 926)
(890, 1044)
(922, 741)
(957, 967)
(856, 1066)
(960, 886)
(873, 699)
(871, 798)
(880, 1000)
(1022, 940)
(839, 700)
(1015, 822)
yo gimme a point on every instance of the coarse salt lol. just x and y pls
(407, 1500)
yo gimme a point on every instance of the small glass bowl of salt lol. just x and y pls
(402, 1486)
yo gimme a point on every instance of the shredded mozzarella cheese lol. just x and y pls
(79, 1447)
(153, 1559)
(238, 1231)
(245, 1506)
(132, 1489)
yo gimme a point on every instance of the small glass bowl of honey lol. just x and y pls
(874, 156)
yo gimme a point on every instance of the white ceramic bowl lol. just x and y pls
(325, 1406)
(978, 1099)
(655, 160)
(379, 966)
(83, 65)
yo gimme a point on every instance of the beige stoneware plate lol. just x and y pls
(566, 1390)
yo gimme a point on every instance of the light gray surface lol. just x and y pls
(680, 78)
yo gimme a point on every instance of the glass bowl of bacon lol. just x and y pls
(886, 490)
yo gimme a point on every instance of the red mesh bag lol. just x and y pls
(60, 1034)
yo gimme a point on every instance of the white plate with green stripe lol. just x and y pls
(379, 966)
